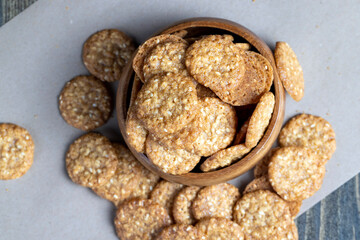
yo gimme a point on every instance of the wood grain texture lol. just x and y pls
(335, 217)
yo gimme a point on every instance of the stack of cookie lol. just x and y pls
(186, 108)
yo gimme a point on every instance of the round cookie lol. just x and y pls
(260, 119)
(262, 167)
(309, 131)
(256, 81)
(215, 62)
(261, 183)
(124, 181)
(212, 129)
(263, 215)
(164, 193)
(165, 57)
(182, 205)
(219, 229)
(135, 132)
(215, 201)
(147, 182)
(224, 158)
(105, 53)
(85, 103)
(179, 232)
(140, 219)
(295, 173)
(289, 70)
(91, 160)
(146, 48)
(16, 151)
(173, 161)
(166, 103)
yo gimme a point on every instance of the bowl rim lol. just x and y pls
(256, 154)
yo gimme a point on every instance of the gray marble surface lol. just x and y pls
(335, 217)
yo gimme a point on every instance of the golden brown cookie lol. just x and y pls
(215, 201)
(243, 46)
(105, 53)
(215, 62)
(145, 49)
(263, 215)
(261, 168)
(165, 57)
(135, 132)
(120, 186)
(260, 119)
(91, 160)
(181, 33)
(224, 158)
(241, 134)
(164, 193)
(166, 103)
(256, 81)
(289, 70)
(179, 232)
(85, 103)
(309, 131)
(147, 182)
(140, 219)
(293, 234)
(172, 161)
(295, 173)
(212, 129)
(16, 151)
(219, 229)
(261, 183)
(203, 92)
(182, 205)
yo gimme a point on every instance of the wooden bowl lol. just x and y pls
(197, 27)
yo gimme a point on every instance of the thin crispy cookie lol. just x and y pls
(173, 161)
(224, 158)
(147, 182)
(262, 167)
(241, 135)
(136, 133)
(165, 57)
(295, 173)
(179, 232)
(140, 219)
(260, 119)
(16, 151)
(289, 69)
(263, 183)
(263, 215)
(146, 47)
(105, 53)
(219, 229)
(256, 81)
(124, 181)
(215, 201)
(182, 205)
(166, 103)
(212, 129)
(309, 131)
(164, 194)
(91, 160)
(215, 62)
(85, 103)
